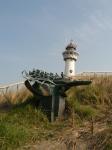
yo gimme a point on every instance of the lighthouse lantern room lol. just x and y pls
(70, 56)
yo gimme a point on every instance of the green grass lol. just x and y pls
(20, 125)
(26, 124)
(108, 147)
(12, 136)
(98, 93)
(83, 111)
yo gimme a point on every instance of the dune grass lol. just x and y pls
(90, 102)
(99, 92)
(25, 124)
(22, 125)
(14, 97)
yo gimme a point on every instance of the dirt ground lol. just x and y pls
(95, 135)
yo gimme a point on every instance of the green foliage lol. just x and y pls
(17, 126)
(83, 111)
(27, 124)
(98, 93)
(12, 136)
(108, 147)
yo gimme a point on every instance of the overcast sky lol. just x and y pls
(34, 33)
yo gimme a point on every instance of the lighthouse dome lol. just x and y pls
(70, 46)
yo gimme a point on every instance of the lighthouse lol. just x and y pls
(70, 57)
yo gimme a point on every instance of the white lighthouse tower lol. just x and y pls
(70, 56)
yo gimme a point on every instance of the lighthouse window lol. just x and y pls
(71, 71)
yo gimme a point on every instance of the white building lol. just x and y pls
(70, 56)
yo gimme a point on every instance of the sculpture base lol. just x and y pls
(58, 109)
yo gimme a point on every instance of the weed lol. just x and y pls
(25, 123)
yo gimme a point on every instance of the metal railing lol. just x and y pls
(12, 87)
(17, 85)
(95, 74)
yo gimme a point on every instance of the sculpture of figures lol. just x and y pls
(45, 84)
(62, 75)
